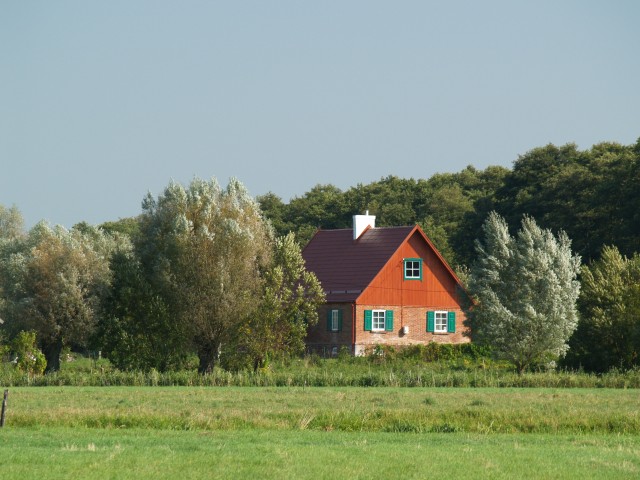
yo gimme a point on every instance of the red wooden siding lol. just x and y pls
(437, 289)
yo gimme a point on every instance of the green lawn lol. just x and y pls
(180, 432)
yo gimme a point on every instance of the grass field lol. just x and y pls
(63, 453)
(232, 432)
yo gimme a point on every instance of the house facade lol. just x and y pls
(386, 286)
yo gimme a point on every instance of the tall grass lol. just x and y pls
(375, 409)
(353, 372)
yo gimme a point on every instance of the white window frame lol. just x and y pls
(378, 316)
(440, 316)
(335, 320)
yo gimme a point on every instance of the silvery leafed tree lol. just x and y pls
(525, 289)
(51, 282)
(203, 248)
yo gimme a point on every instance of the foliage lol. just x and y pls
(125, 226)
(202, 249)
(29, 358)
(440, 204)
(608, 335)
(11, 223)
(289, 304)
(136, 330)
(52, 280)
(526, 291)
(4, 347)
(592, 195)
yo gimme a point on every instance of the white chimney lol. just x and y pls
(361, 222)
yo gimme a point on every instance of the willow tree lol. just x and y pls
(526, 289)
(52, 282)
(289, 305)
(203, 248)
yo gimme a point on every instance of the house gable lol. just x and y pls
(437, 287)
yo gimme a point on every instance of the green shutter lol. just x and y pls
(431, 321)
(329, 320)
(340, 320)
(368, 320)
(388, 320)
(451, 322)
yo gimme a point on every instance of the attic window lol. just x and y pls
(413, 269)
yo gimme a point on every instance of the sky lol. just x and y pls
(102, 102)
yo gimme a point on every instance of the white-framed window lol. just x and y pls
(440, 325)
(413, 269)
(377, 320)
(335, 320)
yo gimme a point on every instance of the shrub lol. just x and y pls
(29, 358)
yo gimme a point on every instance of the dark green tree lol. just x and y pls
(608, 335)
(136, 329)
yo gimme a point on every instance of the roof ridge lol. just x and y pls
(372, 228)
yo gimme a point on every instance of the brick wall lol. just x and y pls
(415, 318)
(325, 342)
(321, 340)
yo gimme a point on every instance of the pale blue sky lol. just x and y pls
(101, 102)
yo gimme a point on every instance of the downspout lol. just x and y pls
(353, 328)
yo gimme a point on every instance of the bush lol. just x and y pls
(29, 358)
(444, 352)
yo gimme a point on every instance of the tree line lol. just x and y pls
(199, 273)
(592, 195)
(209, 273)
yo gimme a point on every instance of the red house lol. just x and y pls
(387, 286)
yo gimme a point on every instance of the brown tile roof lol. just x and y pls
(344, 266)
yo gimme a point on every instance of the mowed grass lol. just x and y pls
(234, 432)
(63, 453)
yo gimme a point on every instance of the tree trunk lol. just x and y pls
(52, 353)
(208, 355)
(258, 363)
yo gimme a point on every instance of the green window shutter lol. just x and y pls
(329, 314)
(368, 320)
(388, 321)
(340, 320)
(431, 321)
(451, 322)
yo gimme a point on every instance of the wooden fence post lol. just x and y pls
(4, 407)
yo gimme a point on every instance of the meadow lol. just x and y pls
(313, 418)
(319, 432)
